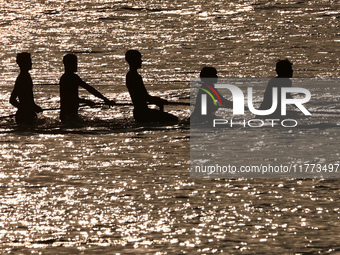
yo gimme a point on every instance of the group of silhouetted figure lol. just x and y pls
(23, 99)
(209, 77)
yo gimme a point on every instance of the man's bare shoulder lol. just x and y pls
(70, 77)
(133, 75)
(23, 81)
(133, 78)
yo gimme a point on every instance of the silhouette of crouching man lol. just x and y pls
(139, 95)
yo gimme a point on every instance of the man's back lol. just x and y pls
(278, 83)
(69, 99)
(137, 90)
(139, 95)
(24, 90)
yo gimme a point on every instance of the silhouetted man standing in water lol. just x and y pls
(69, 85)
(139, 95)
(22, 95)
(284, 72)
(209, 78)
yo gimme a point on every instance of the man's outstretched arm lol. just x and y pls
(94, 92)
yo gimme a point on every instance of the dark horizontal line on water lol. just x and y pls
(124, 8)
(96, 105)
(276, 6)
(90, 51)
(128, 8)
(47, 84)
(114, 18)
(96, 127)
(57, 84)
(50, 12)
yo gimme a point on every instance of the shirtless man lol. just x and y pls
(209, 78)
(22, 95)
(139, 95)
(69, 85)
(284, 72)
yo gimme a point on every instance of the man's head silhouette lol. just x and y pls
(284, 69)
(134, 58)
(24, 61)
(208, 75)
(70, 62)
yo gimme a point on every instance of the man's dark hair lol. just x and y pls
(208, 72)
(23, 58)
(69, 59)
(132, 55)
(283, 64)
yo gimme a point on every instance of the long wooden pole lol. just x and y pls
(99, 105)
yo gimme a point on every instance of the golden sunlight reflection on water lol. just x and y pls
(126, 189)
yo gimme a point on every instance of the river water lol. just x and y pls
(116, 187)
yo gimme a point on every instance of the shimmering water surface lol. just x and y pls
(116, 187)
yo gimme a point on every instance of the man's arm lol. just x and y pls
(13, 99)
(157, 100)
(94, 92)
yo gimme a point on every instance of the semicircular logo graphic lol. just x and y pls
(210, 94)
